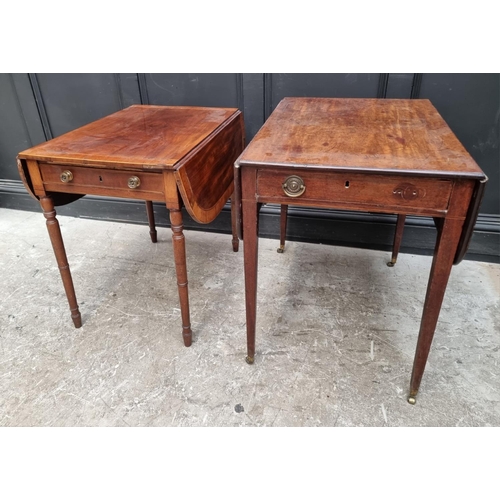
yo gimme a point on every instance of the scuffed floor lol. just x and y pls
(336, 333)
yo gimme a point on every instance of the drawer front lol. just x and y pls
(105, 182)
(373, 190)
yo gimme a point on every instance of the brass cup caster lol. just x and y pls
(249, 360)
(281, 249)
(391, 264)
(412, 400)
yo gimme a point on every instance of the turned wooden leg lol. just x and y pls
(444, 253)
(181, 271)
(250, 254)
(234, 224)
(151, 220)
(57, 244)
(283, 219)
(398, 236)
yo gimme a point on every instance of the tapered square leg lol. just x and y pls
(250, 251)
(234, 224)
(58, 245)
(398, 236)
(444, 253)
(283, 221)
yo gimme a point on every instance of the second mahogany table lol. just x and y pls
(370, 155)
(174, 154)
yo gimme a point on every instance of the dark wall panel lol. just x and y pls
(399, 85)
(36, 107)
(253, 103)
(73, 100)
(128, 86)
(194, 89)
(280, 85)
(14, 133)
(235, 90)
(470, 104)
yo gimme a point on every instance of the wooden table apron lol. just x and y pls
(201, 180)
(452, 200)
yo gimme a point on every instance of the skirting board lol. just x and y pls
(353, 229)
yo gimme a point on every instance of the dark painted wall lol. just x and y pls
(37, 107)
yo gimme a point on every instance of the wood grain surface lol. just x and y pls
(143, 136)
(401, 135)
(395, 156)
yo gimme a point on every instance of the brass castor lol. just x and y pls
(281, 249)
(412, 400)
(249, 360)
(391, 264)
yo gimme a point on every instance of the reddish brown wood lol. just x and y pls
(234, 224)
(103, 182)
(151, 153)
(392, 135)
(416, 195)
(236, 201)
(57, 244)
(151, 221)
(206, 190)
(444, 253)
(250, 253)
(472, 213)
(35, 178)
(174, 205)
(398, 236)
(140, 136)
(26, 178)
(283, 221)
(181, 271)
(362, 154)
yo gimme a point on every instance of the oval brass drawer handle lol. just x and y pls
(134, 182)
(294, 186)
(66, 176)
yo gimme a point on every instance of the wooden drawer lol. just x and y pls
(372, 190)
(105, 182)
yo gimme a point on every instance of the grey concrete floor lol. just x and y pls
(336, 334)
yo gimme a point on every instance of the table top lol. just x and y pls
(155, 137)
(404, 136)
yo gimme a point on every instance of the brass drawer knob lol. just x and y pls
(66, 176)
(294, 186)
(134, 182)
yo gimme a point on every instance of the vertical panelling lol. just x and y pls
(470, 104)
(128, 87)
(268, 105)
(36, 107)
(72, 100)
(253, 103)
(399, 86)
(242, 91)
(14, 132)
(143, 88)
(321, 85)
(415, 85)
(383, 82)
(193, 89)
(42, 111)
(28, 107)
